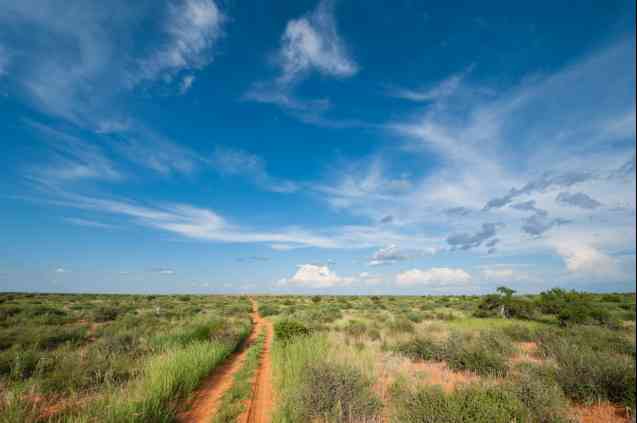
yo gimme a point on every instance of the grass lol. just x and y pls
(113, 358)
(127, 365)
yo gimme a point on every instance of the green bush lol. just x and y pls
(286, 330)
(337, 393)
(541, 394)
(105, 314)
(470, 403)
(266, 310)
(400, 325)
(422, 348)
(355, 328)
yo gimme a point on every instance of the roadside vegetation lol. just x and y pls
(110, 358)
(556, 357)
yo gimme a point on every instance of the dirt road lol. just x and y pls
(261, 404)
(206, 401)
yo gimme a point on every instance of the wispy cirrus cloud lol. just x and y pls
(440, 91)
(81, 71)
(230, 161)
(190, 29)
(73, 159)
(310, 43)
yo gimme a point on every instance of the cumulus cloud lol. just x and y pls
(436, 277)
(466, 241)
(315, 276)
(61, 270)
(586, 259)
(164, 271)
(504, 273)
(578, 199)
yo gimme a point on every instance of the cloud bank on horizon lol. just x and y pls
(301, 148)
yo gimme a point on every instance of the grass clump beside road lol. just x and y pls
(233, 402)
(166, 379)
(312, 387)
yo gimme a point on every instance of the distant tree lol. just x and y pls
(506, 292)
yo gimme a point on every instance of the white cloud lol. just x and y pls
(434, 277)
(443, 89)
(309, 43)
(164, 271)
(370, 278)
(191, 28)
(388, 255)
(315, 276)
(72, 159)
(186, 83)
(504, 273)
(586, 260)
(88, 223)
(312, 42)
(61, 270)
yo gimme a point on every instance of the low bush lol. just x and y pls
(286, 330)
(470, 403)
(266, 310)
(105, 314)
(422, 348)
(355, 329)
(337, 393)
(400, 325)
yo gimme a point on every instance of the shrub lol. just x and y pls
(400, 325)
(540, 393)
(286, 330)
(355, 328)
(414, 317)
(471, 403)
(422, 348)
(519, 333)
(589, 376)
(337, 393)
(266, 310)
(105, 314)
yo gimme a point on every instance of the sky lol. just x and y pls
(335, 147)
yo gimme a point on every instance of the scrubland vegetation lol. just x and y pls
(110, 358)
(545, 358)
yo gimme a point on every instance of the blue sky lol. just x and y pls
(213, 146)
